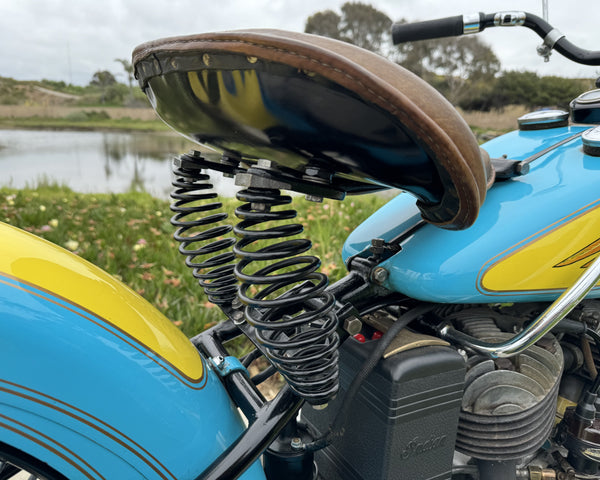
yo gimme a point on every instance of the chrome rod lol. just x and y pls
(539, 327)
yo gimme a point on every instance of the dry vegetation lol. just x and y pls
(29, 104)
(501, 120)
(64, 111)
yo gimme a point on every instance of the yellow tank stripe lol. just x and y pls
(552, 260)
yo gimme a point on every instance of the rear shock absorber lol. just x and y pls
(197, 229)
(285, 300)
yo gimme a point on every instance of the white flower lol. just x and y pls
(72, 245)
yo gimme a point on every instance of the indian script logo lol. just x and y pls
(583, 254)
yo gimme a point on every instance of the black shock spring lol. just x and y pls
(197, 228)
(285, 300)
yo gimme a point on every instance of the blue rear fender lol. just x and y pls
(88, 398)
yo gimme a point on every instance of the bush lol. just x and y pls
(82, 116)
(524, 88)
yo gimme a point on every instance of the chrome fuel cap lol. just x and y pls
(542, 119)
(591, 142)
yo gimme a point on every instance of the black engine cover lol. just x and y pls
(403, 421)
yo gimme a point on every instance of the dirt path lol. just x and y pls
(66, 96)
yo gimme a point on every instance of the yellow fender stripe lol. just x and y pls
(65, 275)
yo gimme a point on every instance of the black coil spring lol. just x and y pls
(196, 228)
(286, 300)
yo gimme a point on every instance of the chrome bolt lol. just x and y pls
(380, 275)
(238, 317)
(352, 325)
(236, 303)
(218, 360)
(296, 443)
(263, 163)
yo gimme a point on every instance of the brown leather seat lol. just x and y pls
(195, 84)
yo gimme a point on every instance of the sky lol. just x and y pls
(69, 40)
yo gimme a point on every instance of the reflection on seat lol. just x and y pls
(307, 102)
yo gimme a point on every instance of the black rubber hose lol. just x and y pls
(592, 333)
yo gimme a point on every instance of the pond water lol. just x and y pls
(94, 162)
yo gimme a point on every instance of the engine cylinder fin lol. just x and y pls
(508, 404)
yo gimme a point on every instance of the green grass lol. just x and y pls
(130, 236)
(89, 122)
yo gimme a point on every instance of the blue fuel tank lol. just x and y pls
(534, 235)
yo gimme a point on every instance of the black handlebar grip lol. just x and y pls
(443, 27)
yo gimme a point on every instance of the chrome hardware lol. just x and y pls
(543, 119)
(471, 23)
(591, 142)
(509, 19)
(545, 49)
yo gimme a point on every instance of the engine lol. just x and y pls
(432, 411)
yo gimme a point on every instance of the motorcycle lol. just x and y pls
(463, 342)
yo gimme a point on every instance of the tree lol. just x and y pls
(326, 24)
(461, 61)
(104, 80)
(128, 67)
(527, 88)
(359, 24)
(453, 65)
(365, 26)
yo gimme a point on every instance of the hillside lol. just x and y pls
(45, 104)
(51, 93)
(49, 104)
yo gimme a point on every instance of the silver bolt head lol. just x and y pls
(296, 443)
(352, 325)
(263, 163)
(380, 275)
(238, 317)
